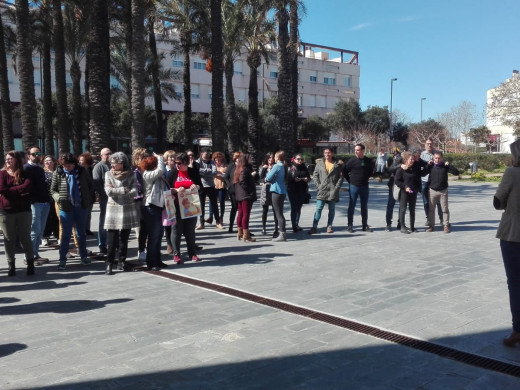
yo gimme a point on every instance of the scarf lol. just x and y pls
(74, 187)
(120, 175)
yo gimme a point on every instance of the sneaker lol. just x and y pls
(367, 229)
(430, 229)
(446, 229)
(41, 260)
(195, 258)
(405, 230)
(441, 222)
(45, 241)
(142, 257)
(313, 230)
(350, 229)
(70, 255)
(329, 229)
(200, 227)
(62, 265)
(85, 261)
(177, 259)
(219, 226)
(427, 223)
(388, 228)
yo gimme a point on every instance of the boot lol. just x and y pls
(12, 269)
(108, 270)
(247, 236)
(121, 264)
(240, 233)
(30, 267)
(281, 237)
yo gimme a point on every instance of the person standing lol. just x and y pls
(208, 171)
(228, 178)
(357, 171)
(396, 163)
(245, 192)
(265, 194)
(122, 215)
(15, 211)
(297, 188)
(39, 197)
(507, 198)
(52, 226)
(427, 156)
(381, 164)
(438, 171)
(71, 188)
(87, 161)
(278, 192)
(328, 178)
(220, 188)
(98, 175)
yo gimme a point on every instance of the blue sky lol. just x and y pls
(445, 51)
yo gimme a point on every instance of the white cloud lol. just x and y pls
(360, 26)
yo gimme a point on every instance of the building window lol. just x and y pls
(114, 84)
(237, 67)
(210, 93)
(312, 100)
(329, 81)
(37, 80)
(199, 65)
(322, 101)
(273, 74)
(348, 81)
(195, 94)
(178, 90)
(178, 63)
(313, 79)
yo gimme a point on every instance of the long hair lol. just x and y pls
(148, 163)
(267, 158)
(138, 155)
(242, 162)
(18, 166)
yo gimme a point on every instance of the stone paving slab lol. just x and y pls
(134, 330)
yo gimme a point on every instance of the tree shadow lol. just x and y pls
(10, 348)
(62, 307)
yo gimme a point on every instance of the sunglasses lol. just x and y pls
(178, 163)
(36, 154)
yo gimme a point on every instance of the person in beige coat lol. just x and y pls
(507, 198)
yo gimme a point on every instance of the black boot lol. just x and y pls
(12, 269)
(30, 267)
(108, 270)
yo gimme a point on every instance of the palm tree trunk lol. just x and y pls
(60, 79)
(29, 113)
(99, 77)
(284, 83)
(138, 58)
(5, 100)
(48, 129)
(253, 61)
(294, 44)
(217, 82)
(230, 109)
(77, 120)
(157, 95)
(186, 46)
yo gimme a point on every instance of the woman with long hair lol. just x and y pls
(142, 234)
(71, 188)
(15, 211)
(152, 169)
(278, 192)
(228, 178)
(182, 178)
(245, 193)
(121, 215)
(220, 188)
(265, 193)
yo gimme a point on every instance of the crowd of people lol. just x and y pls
(38, 201)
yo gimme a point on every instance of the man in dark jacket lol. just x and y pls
(357, 171)
(396, 163)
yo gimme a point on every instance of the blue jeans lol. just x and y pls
(425, 191)
(355, 192)
(102, 233)
(153, 220)
(40, 212)
(511, 257)
(320, 204)
(75, 217)
(390, 208)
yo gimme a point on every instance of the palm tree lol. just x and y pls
(138, 75)
(259, 33)
(233, 36)
(26, 75)
(76, 25)
(285, 82)
(60, 78)
(217, 82)
(99, 76)
(5, 100)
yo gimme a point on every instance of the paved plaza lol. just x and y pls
(138, 330)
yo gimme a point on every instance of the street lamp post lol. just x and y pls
(391, 96)
(422, 99)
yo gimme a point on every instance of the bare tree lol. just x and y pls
(503, 105)
(459, 120)
(430, 129)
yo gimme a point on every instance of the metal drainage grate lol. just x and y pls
(425, 346)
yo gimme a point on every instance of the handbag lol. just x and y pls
(396, 192)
